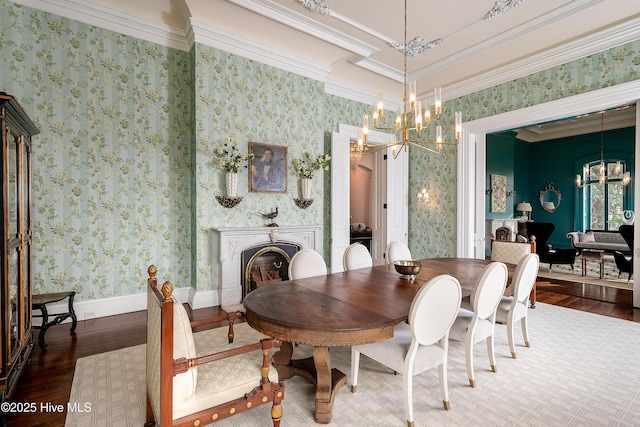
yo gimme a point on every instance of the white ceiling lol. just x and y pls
(352, 41)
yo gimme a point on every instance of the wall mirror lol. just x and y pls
(550, 198)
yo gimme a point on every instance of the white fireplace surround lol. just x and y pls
(227, 245)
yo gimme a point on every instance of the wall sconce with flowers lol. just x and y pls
(306, 168)
(423, 197)
(231, 160)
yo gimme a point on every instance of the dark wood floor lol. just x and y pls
(49, 375)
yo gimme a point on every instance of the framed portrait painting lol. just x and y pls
(268, 170)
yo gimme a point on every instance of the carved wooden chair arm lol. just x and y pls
(229, 317)
(183, 364)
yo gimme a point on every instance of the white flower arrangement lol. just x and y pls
(231, 160)
(307, 167)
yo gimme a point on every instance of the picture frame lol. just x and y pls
(268, 169)
(498, 193)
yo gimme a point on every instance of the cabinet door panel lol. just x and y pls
(14, 301)
(13, 186)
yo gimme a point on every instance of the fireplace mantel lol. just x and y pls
(227, 245)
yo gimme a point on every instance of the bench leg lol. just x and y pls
(43, 327)
(72, 313)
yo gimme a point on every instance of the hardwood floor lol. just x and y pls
(48, 377)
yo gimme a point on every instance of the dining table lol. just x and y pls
(342, 309)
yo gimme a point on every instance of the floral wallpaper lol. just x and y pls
(239, 101)
(111, 189)
(124, 172)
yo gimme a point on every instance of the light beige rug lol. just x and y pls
(582, 370)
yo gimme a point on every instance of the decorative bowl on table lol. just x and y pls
(407, 269)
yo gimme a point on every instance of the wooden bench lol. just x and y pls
(39, 302)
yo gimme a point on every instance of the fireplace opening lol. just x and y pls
(503, 233)
(265, 265)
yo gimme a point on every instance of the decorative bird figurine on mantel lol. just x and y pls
(270, 216)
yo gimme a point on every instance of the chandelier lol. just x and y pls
(413, 118)
(603, 173)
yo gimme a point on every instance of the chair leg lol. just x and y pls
(469, 359)
(407, 382)
(444, 385)
(276, 414)
(525, 331)
(512, 345)
(355, 361)
(492, 354)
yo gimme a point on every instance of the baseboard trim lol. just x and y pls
(104, 307)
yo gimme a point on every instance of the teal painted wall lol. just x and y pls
(500, 162)
(554, 161)
(537, 164)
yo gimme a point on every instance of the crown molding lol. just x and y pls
(342, 90)
(217, 38)
(602, 99)
(288, 17)
(594, 43)
(378, 67)
(113, 20)
(182, 39)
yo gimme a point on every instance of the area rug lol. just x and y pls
(610, 273)
(582, 369)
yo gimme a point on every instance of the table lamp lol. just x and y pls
(525, 208)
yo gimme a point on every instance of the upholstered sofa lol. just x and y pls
(606, 240)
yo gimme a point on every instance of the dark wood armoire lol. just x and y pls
(15, 282)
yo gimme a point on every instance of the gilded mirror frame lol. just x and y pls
(547, 205)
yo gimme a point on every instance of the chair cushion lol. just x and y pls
(184, 385)
(392, 352)
(226, 379)
(458, 332)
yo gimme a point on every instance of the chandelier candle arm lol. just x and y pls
(413, 116)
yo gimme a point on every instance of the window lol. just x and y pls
(604, 197)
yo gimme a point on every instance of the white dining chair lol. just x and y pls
(306, 263)
(513, 308)
(356, 256)
(397, 251)
(477, 321)
(420, 344)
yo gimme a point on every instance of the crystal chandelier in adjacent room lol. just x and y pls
(602, 173)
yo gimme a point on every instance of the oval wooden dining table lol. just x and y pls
(342, 309)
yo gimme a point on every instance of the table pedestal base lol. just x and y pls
(317, 370)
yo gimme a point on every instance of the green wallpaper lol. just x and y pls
(110, 188)
(239, 101)
(122, 169)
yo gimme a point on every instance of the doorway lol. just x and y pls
(472, 159)
(389, 212)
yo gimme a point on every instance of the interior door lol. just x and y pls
(397, 195)
(340, 206)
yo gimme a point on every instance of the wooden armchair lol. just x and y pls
(512, 253)
(186, 388)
